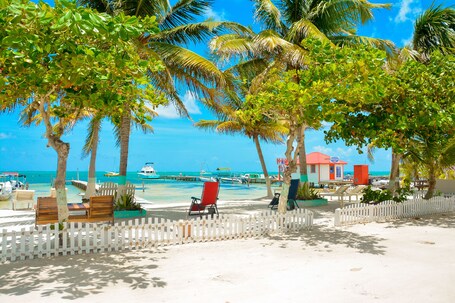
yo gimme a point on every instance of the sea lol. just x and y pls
(153, 191)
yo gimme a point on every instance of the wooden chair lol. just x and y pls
(339, 193)
(46, 210)
(22, 197)
(207, 202)
(101, 209)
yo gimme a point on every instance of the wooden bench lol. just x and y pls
(100, 209)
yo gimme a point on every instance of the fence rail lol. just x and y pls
(363, 213)
(78, 238)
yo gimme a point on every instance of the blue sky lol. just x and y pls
(175, 144)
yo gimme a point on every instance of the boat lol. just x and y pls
(148, 172)
(111, 174)
(6, 190)
(224, 175)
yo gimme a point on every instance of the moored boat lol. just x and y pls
(148, 172)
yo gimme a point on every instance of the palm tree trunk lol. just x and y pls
(394, 181)
(264, 167)
(125, 129)
(91, 184)
(62, 149)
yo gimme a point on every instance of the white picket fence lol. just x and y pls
(363, 213)
(78, 238)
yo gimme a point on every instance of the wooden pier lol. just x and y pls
(181, 178)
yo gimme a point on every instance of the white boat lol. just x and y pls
(148, 172)
(6, 190)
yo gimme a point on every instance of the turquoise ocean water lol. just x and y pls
(158, 191)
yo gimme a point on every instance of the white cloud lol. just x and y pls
(217, 16)
(407, 11)
(189, 100)
(324, 149)
(406, 41)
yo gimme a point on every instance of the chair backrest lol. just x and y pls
(210, 193)
(357, 189)
(293, 188)
(46, 210)
(101, 206)
(341, 189)
(130, 189)
(24, 194)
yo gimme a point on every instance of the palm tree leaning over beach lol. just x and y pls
(179, 27)
(230, 122)
(287, 23)
(434, 30)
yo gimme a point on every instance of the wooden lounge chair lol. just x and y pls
(46, 210)
(292, 194)
(207, 203)
(356, 191)
(101, 209)
(340, 192)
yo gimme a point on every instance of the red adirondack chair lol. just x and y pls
(207, 203)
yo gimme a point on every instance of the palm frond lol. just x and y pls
(435, 29)
(302, 29)
(269, 43)
(267, 13)
(93, 126)
(184, 12)
(188, 64)
(229, 46)
(197, 32)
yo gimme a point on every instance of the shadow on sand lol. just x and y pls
(81, 275)
(322, 239)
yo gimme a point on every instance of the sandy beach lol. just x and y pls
(408, 260)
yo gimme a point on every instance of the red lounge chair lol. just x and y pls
(207, 203)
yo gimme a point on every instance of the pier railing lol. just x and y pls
(77, 238)
(364, 213)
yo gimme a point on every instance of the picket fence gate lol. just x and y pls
(363, 213)
(79, 238)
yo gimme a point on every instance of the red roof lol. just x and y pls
(318, 158)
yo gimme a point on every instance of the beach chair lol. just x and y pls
(292, 194)
(340, 192)
(46, 210)
(23, 197)
(356, 191)
(207, 203)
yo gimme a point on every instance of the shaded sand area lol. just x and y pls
(408, 260)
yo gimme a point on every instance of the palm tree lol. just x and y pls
(182, 68)
(230, 122)
(287, 23)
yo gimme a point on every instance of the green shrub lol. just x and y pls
(126, 202)
(371, 196)
(306, 193)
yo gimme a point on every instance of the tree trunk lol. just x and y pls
(394, 178)
(62, 150)
(291, 168)
(125, 129)
(264, 167)
(302, 157)
(91, 184)
(431, 181)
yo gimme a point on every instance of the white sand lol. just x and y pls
(405, 260)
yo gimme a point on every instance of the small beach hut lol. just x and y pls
(321, 167)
